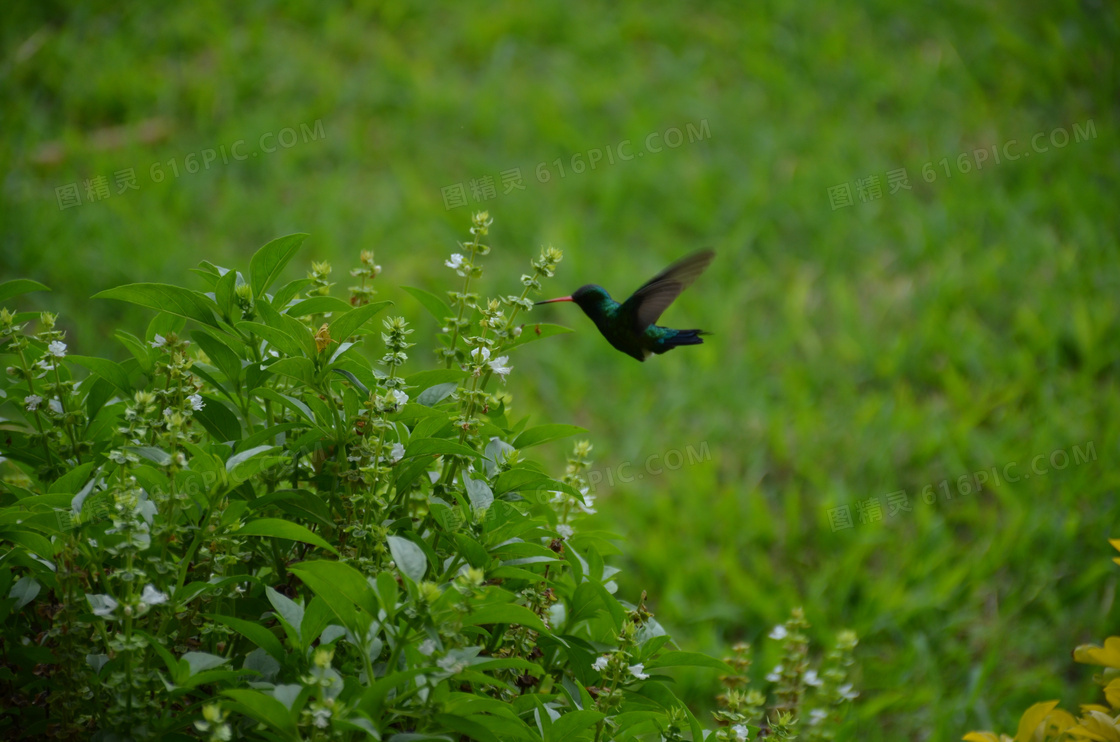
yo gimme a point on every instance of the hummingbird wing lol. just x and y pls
(647, 304)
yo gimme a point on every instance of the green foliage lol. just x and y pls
(259, 534)
(962, 324)
(1045, 722)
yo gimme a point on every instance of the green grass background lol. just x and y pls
(963, 324)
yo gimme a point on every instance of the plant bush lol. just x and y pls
(248, 530)
(1045, 722)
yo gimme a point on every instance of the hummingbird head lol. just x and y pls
(589, 298)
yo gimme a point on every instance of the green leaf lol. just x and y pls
(286, 294)
(353, 380)
(341, 586)
(112, 372)
(409, 557)
(151, 453)
(218, 420)
(318, 305)
(688, 659)
(268, 262)
(278, 528)
(279, 339)
(545, 433)
(479, 492)
(219, 353)
(137, 347)
(166, 298)
(505, 613)
(239, 458)
(264, 709)
(11, 289)
(299, 368)
(437, 446)
(435, 305)
(433, 395)
(255, 633)
(568, 726)
(349, 323)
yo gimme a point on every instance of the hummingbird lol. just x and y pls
(629, 326)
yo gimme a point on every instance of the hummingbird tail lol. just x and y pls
(685, 337)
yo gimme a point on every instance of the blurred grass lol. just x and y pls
(963, 324)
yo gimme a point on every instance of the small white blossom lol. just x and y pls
(427, 647)
(197, 403)
(636, 671)
(398, 397)
(151, 596)
(811, 678)
(601, 664)
(740, 731)
(565, 531)
(56, 406)
(588, 502)
(498, 366)
(102, 605)
(847, 692)
(775, 674)
(321, 717)
(481, 355)
(816, 716)
(778, 632)
(396, 453)
(32, 401)
(455, 262)
(57, 348)
(167, 412)
(158, 342)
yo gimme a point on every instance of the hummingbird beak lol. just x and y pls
(551, 301)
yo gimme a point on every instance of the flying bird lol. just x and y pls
(629, 326)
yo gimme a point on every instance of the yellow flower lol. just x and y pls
(1109, 655)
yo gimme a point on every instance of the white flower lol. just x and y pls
(565, 531)
(167, 412)
(396, 454)
(588, 501)
(321, 717)
(32, 401)
(775, 674)
(102, 605)
(816, 716)
(151, 596)
(197, 403)
(811, 678)
(740, 731)
(481, 355)
(398, 397)
(427, 647)
(498, 366)
(779, 632)
(158, 342)
(601, 664)
(847, 692)
(57, 348)
(455, 263)
(56, 406)
(636, 671)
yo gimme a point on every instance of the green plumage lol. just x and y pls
(630, 326)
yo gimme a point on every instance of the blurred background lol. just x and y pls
(915, 213)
